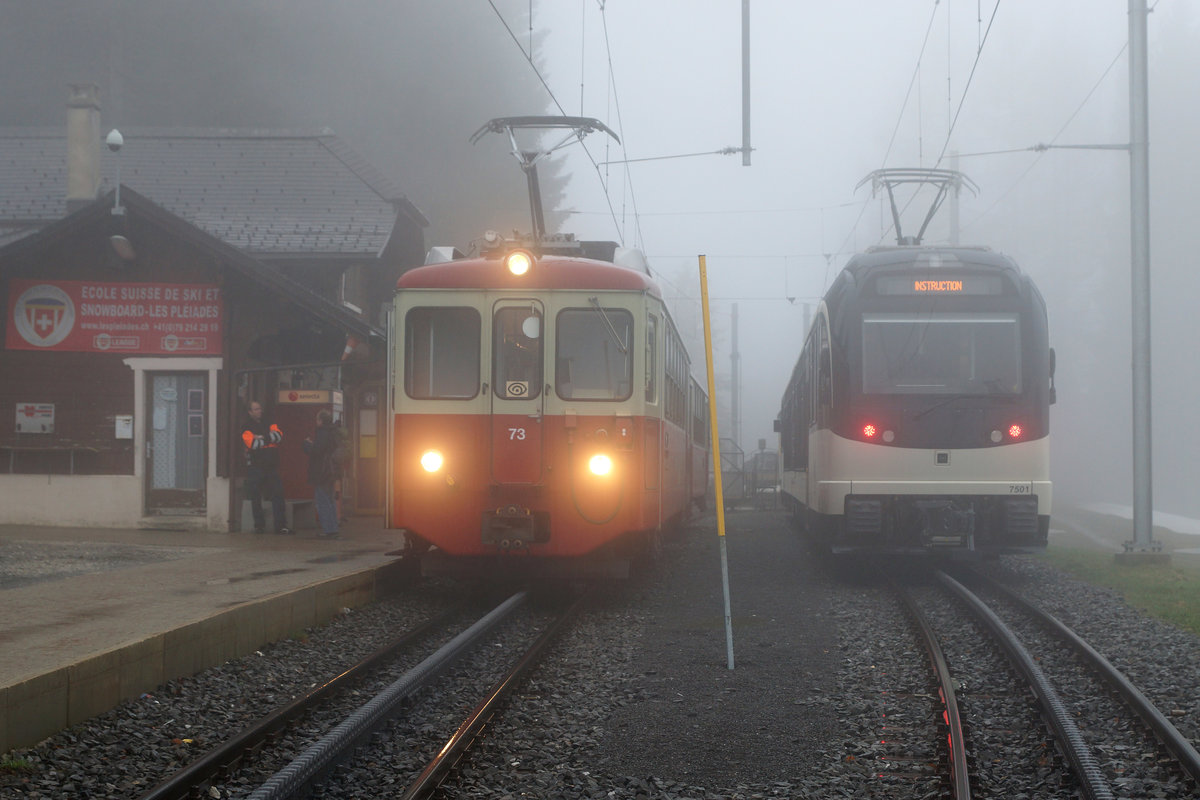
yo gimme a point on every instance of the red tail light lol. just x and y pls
(1015, 431)
(869, 430)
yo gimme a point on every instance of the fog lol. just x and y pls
(405, 83)
(838, 90)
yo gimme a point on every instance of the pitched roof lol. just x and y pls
(265, 275)
(268, 193)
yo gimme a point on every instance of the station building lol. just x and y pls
(151, 291)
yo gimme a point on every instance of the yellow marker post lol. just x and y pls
(716, 443)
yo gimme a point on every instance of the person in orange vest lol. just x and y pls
(262, 469)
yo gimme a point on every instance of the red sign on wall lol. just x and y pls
(84, 316)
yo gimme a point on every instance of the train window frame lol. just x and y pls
(435, 359)
(1006, 382)
(601, 318)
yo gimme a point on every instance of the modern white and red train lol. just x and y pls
(917, 418)
(542, 411)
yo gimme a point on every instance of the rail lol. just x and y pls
(437, 769)
(1175, 742)
(187, 782)
(1078, 754)
(959, 775)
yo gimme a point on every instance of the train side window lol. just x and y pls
(441, 353)
(824, 385)
(825, 380)
(651, 360)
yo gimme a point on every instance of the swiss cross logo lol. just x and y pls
(44, 315)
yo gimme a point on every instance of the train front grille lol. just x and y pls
(864, 517)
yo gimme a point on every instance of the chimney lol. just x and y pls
(83, 145)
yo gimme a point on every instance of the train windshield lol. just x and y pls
(941, 354)
(441, 353)
(593, 357)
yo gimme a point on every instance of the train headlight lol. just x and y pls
(431, 460)
(600, 464)
(519, 262)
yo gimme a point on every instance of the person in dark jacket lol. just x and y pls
(321, 472)
(261, 440)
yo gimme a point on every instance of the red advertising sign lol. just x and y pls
(85, 316)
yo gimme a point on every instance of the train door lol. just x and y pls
(518, 336)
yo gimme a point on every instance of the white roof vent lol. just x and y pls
(440, 255)
(631, 258)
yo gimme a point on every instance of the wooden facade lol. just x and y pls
(144, 418)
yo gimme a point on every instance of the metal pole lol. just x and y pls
(716, 442)
(1139, 186)
(745, 83)
(735, 384)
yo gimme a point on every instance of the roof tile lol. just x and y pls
(293, 190)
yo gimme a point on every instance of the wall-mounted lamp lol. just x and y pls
(115, 141)
(122, 246)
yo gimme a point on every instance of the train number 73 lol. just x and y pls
(516, 434)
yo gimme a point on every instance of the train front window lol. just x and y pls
(941, 354)
(593, 358)
(441, 353)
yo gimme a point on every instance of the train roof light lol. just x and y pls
(519, 262)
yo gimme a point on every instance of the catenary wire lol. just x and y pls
(612, 82)
(1037, 159)
(967, 88)
(911, 82)
(561, 110)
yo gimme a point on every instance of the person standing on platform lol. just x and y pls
(341, 452)
(321, 472)
(262, 440)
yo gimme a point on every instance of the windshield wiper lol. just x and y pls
(611, 330)
(994, 388)
(939, 404)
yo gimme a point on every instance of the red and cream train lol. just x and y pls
(542, 410)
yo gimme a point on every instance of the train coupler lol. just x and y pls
(514, 527)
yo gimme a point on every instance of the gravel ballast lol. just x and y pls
(637, 700)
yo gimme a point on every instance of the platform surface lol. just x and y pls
(89, 616)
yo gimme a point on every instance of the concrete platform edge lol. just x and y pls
(41, 706)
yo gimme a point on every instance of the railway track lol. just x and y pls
(292, 751)
(1110, 740)
(1149, 746)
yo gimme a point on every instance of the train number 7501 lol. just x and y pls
(1019, 488)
